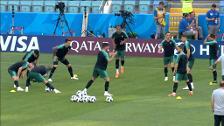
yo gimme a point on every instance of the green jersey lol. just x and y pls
(102, 60)
(213, 49)
(15, 67)
(182, 63)
(187, 46)
(118, 38)
(168, 47)
(61, 50)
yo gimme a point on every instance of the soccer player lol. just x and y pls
(100, 68)
(59, 53)
(31, 56)
(188, 51)
(17, 71)
(181, 70)
(168, 46)
(119, 39)
(221, 59)
(37, 74)
(213, 55)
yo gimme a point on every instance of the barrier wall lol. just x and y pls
(90, 46)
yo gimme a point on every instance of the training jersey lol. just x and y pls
(218, 97)
(30, 57)
(187, 45)
(62, 50)
(213, 49)
(16, 66)
(182, 63)
(213, 14)
(118, 38)
(168, 47)
(102, 60)
(40, 69)
(221, 59)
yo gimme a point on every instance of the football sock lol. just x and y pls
(49, 86)
(190, 77)
(16, 83)
(106, 85)
(175, 86)
(122, 62)
(27, 82)
(214, 75)
(165, 71)
(117, 63)
(89, 84)
(172, 69)
(70, 71)
(52, 72)
(189, 85)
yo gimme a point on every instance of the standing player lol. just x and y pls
(168, 46)
(119, 39)
(188, 51)
(59, 53)
(37, 74)
(213, 55)
(221, 59)
(181, 71)
(101, 67)
(32, 56)
(16, 71)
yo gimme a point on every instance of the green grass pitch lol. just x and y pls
(140, 96)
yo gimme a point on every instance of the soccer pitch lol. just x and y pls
(140, 96)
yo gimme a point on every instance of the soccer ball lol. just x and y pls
(92, 99)
(73, 98)
(109, 99)
(78, 92)
(85, 99)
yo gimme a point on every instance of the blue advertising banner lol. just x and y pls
(91, 45)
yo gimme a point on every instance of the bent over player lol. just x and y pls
(181, 71)
(100, 68)
(59, 53)
(37, 74)
(31, 56)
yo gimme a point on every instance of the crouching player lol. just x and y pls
(37, 74)
(213, 55)
(101, 67)
(181, 70)
(31, 57)
(59, 53)
(17, 71)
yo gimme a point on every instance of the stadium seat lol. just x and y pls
(37, 6)
(144, 6)
(3, 6)
(73, 6)
(116, 6)
(129, 6)
(25, 6)
(86, 4)
(96, 6)
(16, 5)
(49, 6)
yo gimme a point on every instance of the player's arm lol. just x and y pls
(161, 46)
(188, 50)
(176, 64)
(125, 38)
(112, 55)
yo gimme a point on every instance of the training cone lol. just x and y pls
(178, 98)
(12, 91)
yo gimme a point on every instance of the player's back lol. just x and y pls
(102, 60)
(40, 69)
(182, 64)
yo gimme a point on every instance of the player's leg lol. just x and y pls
(172, 66)
(55, 65)
(15, 80)
(70, 70)
(27, 83)
(166, 63)
(122, 61)
(178, 78)
(91, 81)
(117, 64)
(50, 86)
(105, 76)
(185, 77)
(189, 74)
(214, 72)
(217, 120)
(222, 120)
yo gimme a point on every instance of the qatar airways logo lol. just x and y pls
(18, 43)
(85, 46)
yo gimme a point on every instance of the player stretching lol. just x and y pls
(213, 53)
(59, 53)
(221, 59)
(101, 67)
(16, 71)
(168, 46)
(31, 56)
(37, 74)
(188, 51)
(181, 71)
(119, 39)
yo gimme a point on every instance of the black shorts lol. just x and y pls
(62, 60)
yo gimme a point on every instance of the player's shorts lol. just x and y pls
(99, 72)
(180, 77)
(168, 60)
(212, 63)
(174, 58)
(12, 73)
(36, 77)
(222, 77)
(120, 54)
(62, 60)
(190, 63)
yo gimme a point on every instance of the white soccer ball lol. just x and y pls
(92, 99)
(85, 99)
(109, 99)
(78, 92)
